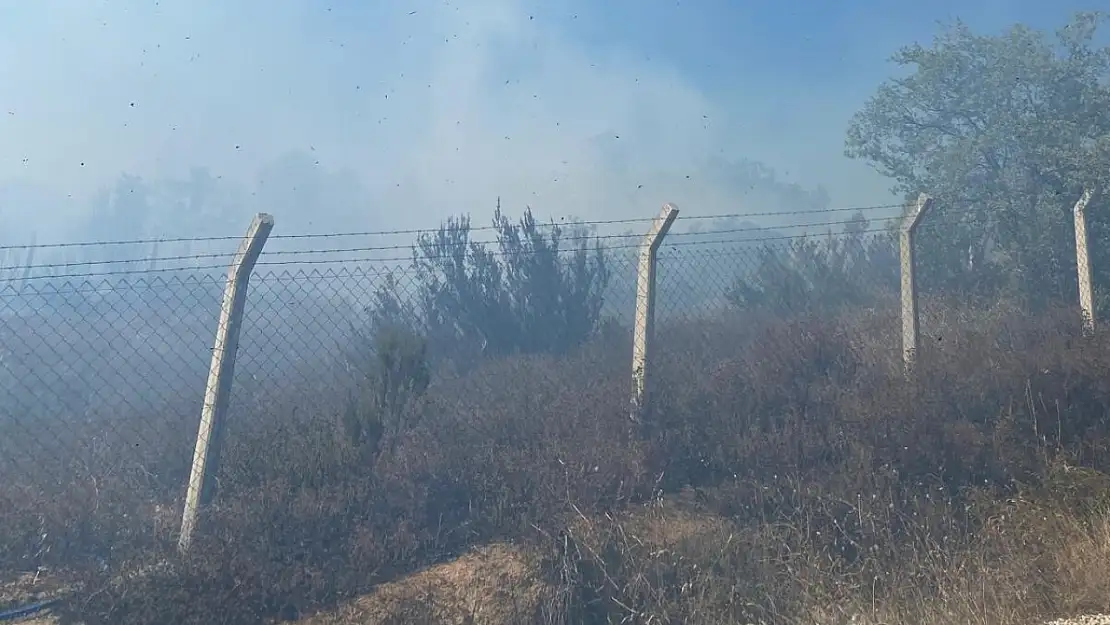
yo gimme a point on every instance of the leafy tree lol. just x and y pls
(137, 208)
(818, 274)
(1005, 131)
(534, 290)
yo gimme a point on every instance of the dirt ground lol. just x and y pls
(494, 585)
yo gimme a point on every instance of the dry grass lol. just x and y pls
(29, 588)
(493, 585)
(790, 473)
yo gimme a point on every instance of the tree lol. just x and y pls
(807, 275)
(1005, 131)
(525, 293)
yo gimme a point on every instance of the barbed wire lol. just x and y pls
(604, 222)
(666, 244)
(360, 268)
(406, 246)
(394, 259)
(412, 245)
(483, 228)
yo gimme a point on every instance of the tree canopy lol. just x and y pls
(806, 274)
(1005, 132)
(533, 289)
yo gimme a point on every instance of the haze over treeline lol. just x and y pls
(344, 117)
(133, 118)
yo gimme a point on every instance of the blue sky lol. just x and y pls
(591, 109)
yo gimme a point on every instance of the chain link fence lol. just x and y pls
(103, 374)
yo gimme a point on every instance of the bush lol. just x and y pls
(398, 376)
(815, 470)
(529, 292)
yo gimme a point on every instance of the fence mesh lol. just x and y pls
(95, 368)
(103, 375)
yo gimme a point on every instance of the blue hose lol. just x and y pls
(27, 610)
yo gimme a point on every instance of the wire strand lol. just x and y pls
(331, 235)
(394, 259)
(409, 246)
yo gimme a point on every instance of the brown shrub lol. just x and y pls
(807, 469)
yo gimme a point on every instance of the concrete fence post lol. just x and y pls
(206, 455)
(910, 314)
(1083, 263)
(643, 335)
